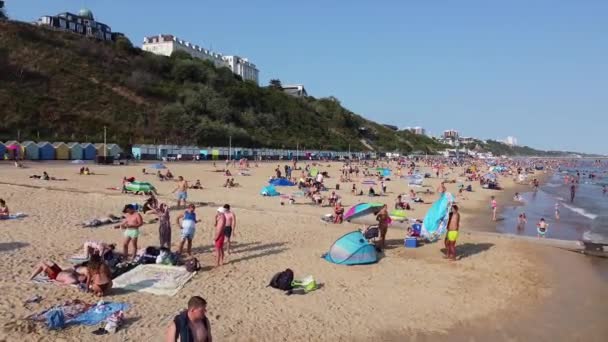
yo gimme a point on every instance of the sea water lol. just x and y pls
(574, 217)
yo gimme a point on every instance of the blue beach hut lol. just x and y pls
(46, 150)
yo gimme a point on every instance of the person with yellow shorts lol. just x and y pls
(452, 235)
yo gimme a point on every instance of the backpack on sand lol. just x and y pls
(282, 280)
(193, 265)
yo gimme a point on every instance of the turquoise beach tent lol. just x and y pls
(269, 191)
(436, 220)
(352, 249)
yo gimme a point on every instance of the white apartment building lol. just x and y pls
(511, 141)
(166, 44)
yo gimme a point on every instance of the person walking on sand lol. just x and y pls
(230, 225)
(452, 234)
(494, 206)
(182, 191)
(188, 226)
(190, 325)
(220, 228)
(131, 224)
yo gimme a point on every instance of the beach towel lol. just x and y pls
(160, 280)
(14, 216)
(71, 309)
(98, 313)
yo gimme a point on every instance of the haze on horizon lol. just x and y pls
(536, 71)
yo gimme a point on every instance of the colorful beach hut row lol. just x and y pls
(45, 150)
(157, 152)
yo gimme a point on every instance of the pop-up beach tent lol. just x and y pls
(269, 191)
(281, 182)
(352, 249)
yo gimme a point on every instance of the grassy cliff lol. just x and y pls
(61, 86)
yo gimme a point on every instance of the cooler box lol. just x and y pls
(411, 242)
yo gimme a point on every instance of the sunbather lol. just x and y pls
(4, 212)
(99, 276)
(54, 272)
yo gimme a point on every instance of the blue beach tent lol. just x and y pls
(269, 191)
(281, 182)
(352, 249)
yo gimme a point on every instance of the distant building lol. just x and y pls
(296, 90)
(511, 141)
(82, 23)
(419, 130)
(466, 140)
(166, 44)
(242, 67)
(394, 128)
(451, 134)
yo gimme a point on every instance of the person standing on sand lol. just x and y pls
(230, 227)
(164, 227)
(218, 240)
(188, 225)
(383, 220)
(190, 325)
(131, 224)
(494, 206)
(452, 234)
(182, 191)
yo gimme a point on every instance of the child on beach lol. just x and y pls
(542, 227)
(521, 221)
(4, 212)
(188, 226)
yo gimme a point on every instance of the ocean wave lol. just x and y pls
(580, 211)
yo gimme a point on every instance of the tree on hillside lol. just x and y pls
(2, 10)
(275, 83)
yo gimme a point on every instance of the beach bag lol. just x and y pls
(282, 280)
(193, 265)
(55, 320)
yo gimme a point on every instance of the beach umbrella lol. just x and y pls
(158, 166)
(362, 209)
(398, 215)
(314, 172)
(436, 219)
(140, 186)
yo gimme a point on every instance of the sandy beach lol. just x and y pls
(494, 291)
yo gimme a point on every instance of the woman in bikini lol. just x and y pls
(383, 220)
(99, 276)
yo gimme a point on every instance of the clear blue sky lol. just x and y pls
(535, 69)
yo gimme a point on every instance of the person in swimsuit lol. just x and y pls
(54, 272)
(188, 226)
(572, 192)
(542, 227)
(130, 224)
(383, 221)
(99, 276)
(230, 227)
(452, 235)
(191, 324)
(557, 211)
(220, 225)
(4, 212)
(521, 221)
(182, 191)
(494, 206)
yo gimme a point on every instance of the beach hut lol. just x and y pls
(215, 154)
(46, 150)
(76, 152)
(3, 153)
(203, 154)
(136, 151)
(89, 151)
(112, 150)
(30, 150)
(62, 151)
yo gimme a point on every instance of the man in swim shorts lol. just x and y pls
(131, 224)
(230, 228)
(452, 235)
(182, 191)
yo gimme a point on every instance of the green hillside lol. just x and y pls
(61, 86)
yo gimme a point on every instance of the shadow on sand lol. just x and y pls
(9, 246)
(468, 249)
